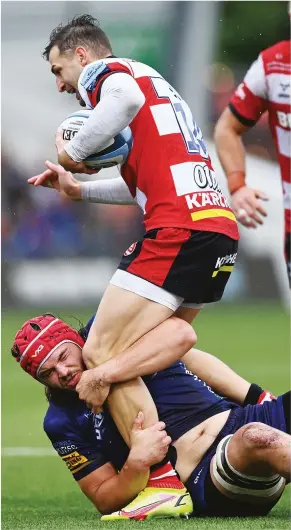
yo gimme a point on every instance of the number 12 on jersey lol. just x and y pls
(189, 129)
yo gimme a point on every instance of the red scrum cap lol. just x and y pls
(38, 338)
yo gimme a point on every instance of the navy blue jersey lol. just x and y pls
(86, 442)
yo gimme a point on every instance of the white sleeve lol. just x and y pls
(108, 191)
(255, 78)
(120, 101)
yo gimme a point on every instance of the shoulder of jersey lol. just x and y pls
(91, 73)
(59, 418)
(278, 52)
(94, 71)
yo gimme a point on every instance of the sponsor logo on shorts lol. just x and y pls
(130, 249)
(224, 264)
(229, 259)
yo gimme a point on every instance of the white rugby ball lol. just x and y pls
(115, 152)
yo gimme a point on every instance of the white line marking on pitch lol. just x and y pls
(28, 451)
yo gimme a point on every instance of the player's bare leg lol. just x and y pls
(122, 319)
(187, 314)
(256, 455)
(123, 401)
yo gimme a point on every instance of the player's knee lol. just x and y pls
(257, 436)
(185, 332)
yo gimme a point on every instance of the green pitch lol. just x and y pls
(39, 493)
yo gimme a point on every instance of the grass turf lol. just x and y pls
(39, 493)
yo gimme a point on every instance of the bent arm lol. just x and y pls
(217, 374)
(246, 106)
(155, 351)
(110, 491)
(121, 99)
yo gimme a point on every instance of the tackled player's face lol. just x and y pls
(67, 69)
(64, 367)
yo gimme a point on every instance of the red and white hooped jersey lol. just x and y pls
(267, 87)
(168, 171)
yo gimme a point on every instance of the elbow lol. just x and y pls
(221, 130)
(227, 128)
(135, 104)
(184, 333)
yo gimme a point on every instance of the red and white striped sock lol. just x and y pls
(165, 477)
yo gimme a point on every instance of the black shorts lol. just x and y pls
(193, 265)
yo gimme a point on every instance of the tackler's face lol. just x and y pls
(63, 368)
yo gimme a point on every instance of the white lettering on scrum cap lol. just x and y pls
(38, 350)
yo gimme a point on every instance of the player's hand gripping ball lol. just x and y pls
(117, 150)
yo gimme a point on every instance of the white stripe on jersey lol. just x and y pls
(255, 79)
(165, 119)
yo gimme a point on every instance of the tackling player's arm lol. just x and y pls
(223, 380)
(108, 490)
(207, 367)
(155, 351)
(116, 100)
(246, 106)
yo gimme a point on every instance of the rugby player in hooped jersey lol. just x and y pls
(265, 88)
(234, 459)
(190, 245)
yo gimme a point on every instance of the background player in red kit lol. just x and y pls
(190, 245)
(265, 88)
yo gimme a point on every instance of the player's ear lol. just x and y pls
(82, 54)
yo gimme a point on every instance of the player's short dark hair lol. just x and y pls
(82, 30)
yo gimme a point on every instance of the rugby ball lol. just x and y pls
(115, 152)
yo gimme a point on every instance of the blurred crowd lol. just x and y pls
(38, 223)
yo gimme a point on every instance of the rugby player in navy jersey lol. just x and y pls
(234, 458)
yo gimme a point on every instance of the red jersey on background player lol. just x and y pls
(265, 88)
